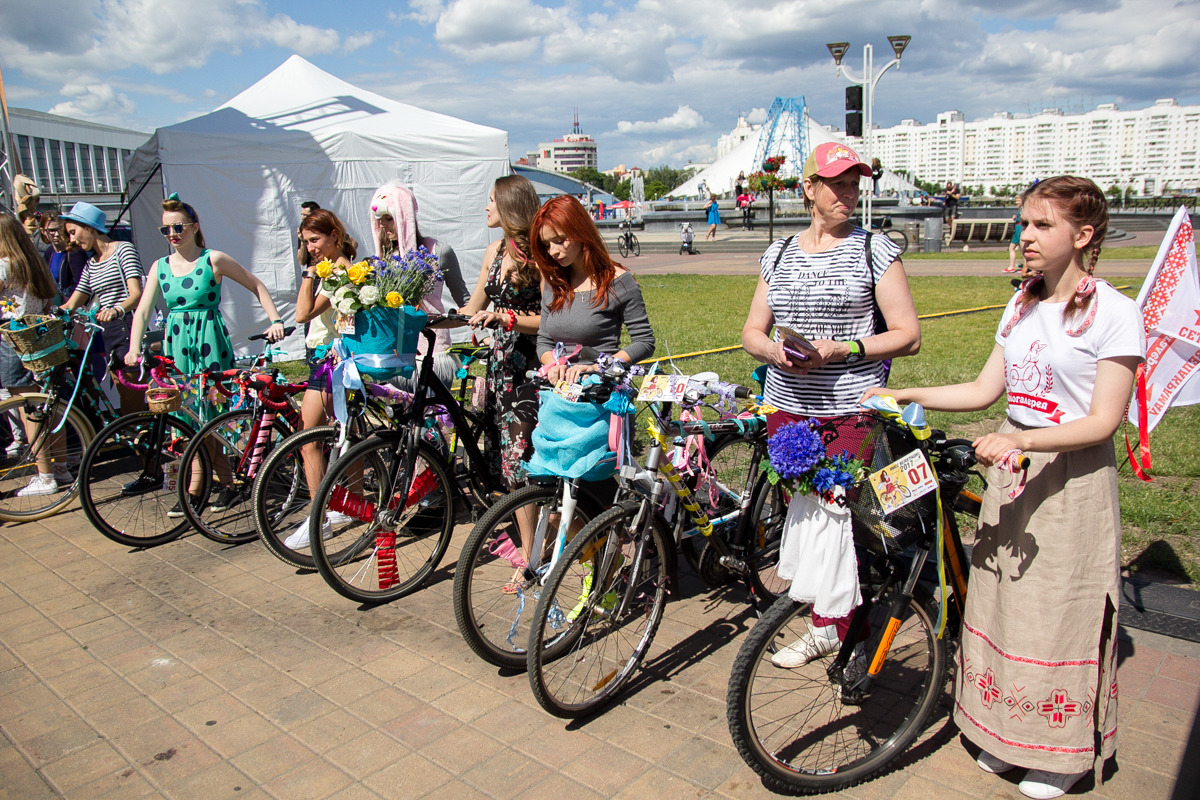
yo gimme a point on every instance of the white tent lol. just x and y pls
(721, 175)
(302, 134)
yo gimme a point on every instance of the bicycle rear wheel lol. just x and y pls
(226, 438)
(382, 540)
(598, 613)
(718, 488)
(793, 727)
(493, 620)
(634, 246)
(623, 245)
(768, 512)
(899, 237)
(125, 479)
(64, 449)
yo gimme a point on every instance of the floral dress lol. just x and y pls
(511, 399)
(196, 338)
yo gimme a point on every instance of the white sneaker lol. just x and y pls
(814, 644)
(1042, 785)
(338, 518)
(989, 763)
(40, 485)
(299, 538)
(14, 449)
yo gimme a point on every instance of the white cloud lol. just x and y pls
(684, 119)
(99, 102)
(756, 116)
(505, 30)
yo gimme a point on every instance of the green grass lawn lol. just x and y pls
(1161, 519)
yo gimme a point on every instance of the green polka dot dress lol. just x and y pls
(196, 338)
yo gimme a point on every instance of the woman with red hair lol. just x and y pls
(586, 296)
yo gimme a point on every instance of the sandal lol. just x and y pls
(515, 584)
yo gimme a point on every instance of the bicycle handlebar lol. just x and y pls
(258, 337)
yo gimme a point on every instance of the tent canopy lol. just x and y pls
(302, 134)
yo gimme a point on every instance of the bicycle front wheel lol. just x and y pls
(20, 500)
(718, 486)
(634, 246)
(226, 518)
(623, 246)
(764, 535)
(493, 600)
(374, 541)
(795, 728)
(128, 479)
(280, 498)
(899, 237)
(598, 612)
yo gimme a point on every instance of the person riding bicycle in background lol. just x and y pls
(1035, 689)
(823, 284)
(195, 337)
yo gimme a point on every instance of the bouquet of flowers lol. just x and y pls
(796, 456)
(380, 282)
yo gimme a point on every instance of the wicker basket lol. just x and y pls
(40, 341)
(163, 399)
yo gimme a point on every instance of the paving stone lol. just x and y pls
(84, 766)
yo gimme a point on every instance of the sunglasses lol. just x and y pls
(177, 228)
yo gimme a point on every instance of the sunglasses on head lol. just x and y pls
(177, 228)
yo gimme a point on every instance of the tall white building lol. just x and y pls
(741, 132)
(1152, 150)
(573, 151)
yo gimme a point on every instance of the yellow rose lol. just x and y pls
(394, 300)
(324, 269)
(358, 272)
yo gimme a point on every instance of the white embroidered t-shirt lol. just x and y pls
(1049, 375)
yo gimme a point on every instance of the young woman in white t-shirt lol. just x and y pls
(1035, 686)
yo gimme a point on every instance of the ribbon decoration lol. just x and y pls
(346, 376)
(1142, 469)
(1011, 463)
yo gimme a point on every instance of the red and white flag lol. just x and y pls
(1170, 303)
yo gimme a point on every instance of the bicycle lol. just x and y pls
(843, 717)
(129, 473)
(241, 437)
(626, 242)
(884, 226)
(602, 602)
(60, 420)
(398, 495)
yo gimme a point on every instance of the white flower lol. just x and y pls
(346, 306)
(343, 293)
(368, 295)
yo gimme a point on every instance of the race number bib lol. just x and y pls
(903, 481)
(662, 388)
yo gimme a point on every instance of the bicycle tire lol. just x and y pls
(623, 245)
(599, 656)
(116, 457)
(233, 525)
(899, 237)
(768, 510)
(280, 496)
(495, 625)
(17, 471)
(634, 247)
(353, 568)
(791, 725)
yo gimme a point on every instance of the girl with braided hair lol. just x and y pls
(1036, 681)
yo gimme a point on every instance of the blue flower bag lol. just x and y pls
(384, 341)
(571, 440)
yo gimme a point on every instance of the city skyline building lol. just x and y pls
(573, 151)
(1148, 151)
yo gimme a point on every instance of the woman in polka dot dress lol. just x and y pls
(190, 283)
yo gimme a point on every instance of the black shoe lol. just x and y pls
(229, 497)
(177, 510)
(141, 485)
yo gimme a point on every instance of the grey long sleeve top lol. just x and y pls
(580, 323)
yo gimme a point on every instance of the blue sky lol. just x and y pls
(655, 81)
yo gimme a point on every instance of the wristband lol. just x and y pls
(276, 322)
(121, 309)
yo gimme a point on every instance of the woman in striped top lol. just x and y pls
(825, 285)
(112, 279)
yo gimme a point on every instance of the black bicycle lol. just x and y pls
(626, 242)
(884, 226)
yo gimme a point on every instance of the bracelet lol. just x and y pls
(512, 320)
(276, 322)
(122, 310)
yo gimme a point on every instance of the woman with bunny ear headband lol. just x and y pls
(394, 230)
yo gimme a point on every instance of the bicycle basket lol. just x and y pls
(163, 399)
(878, 443)
(38, 340)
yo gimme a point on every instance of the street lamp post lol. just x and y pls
(868, 81)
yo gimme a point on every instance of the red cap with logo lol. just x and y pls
(833, 158)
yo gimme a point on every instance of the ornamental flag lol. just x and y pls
(1170, 304)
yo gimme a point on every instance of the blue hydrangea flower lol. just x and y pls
(795, 449)
(824, 480)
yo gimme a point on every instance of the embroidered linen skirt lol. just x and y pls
(1036, 683)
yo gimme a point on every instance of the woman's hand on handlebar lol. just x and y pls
(133, 358)
(488, 319)
(108, 314)
(274, 332)
(569, 372)
(990, 448)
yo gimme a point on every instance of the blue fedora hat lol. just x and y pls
(87, 214)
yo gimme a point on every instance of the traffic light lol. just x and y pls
(854, 104)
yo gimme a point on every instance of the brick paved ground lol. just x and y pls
(196, 670)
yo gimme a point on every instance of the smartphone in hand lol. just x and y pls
(794, 344)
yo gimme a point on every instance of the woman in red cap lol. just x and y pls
(845, 291)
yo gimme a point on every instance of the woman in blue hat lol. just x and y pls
(112, 279)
